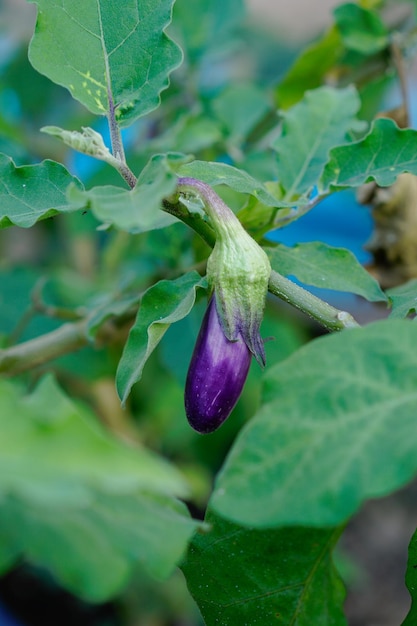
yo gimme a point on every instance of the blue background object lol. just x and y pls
(338, 220)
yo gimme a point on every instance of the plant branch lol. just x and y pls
(117, 145)
(299, 211)
(193, 220)
(29, 354)
(328, 316)
(398, 60)
(68, 338)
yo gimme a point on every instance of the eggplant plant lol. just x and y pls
(156, 161)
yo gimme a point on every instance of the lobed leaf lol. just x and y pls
(382, 155)
(29, 193)
(107, 56)
(80, 503)
(323, 266)
(310, 129)
(163, 304)
(264, 575)
(332, 411)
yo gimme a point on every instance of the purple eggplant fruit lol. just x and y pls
(238, 272)
(217, 374)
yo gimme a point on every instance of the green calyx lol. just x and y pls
(238, 271)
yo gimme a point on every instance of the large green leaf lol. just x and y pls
(338, 426)
(137, 210)
(319, 121)
(382, 155)
(92, 548)
(223, 174)
(163, 304)
(321, 265)
(108, 55)
(29, 193)
(362, 30)
(265, 577)
(80, 503)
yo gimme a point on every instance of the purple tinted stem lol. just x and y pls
(216, 376)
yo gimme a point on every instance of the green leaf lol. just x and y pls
(93, 549)
(163, 304)
(80, 503)
(382, 155)
(312, 455)
(411, 581)
(29, 193)
(55, 428)
(362, 30)
(223, 174)
(240, 107)
(264, 576)
(192, 132)
(114, 305)
(106, 55)
(403, 299)
(319, 121)
(257, 218)
(310, 68)
(207, 25)
(137, 210)
(321, 265)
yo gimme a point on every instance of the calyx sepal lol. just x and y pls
(238, 271)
